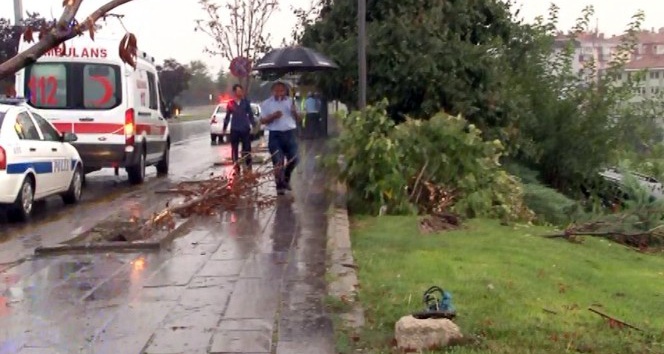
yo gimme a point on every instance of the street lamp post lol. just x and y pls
(18, 12)
(362, 52)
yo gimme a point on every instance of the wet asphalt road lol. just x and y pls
(106, 194)
(244, 282)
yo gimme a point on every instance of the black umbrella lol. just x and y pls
(294, 59)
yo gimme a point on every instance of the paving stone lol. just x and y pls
(233, 249)
(263, 265)
(206, 282)
(40, 351)
(167, 293)
(178, 340)
(248, 324)
(201, 297)
(203, 317)
(254, 298)
(227, 268)
(241, 342)
(139, 319)
(177, 272)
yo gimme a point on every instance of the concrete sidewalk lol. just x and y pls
(248, 282)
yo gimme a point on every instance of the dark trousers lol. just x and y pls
(244, 137)
(283, 148)
(312, 126)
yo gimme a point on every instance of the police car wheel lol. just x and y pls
(73, 194)
(137, 172)
(22, 209)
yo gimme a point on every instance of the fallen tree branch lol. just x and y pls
(614, 321)
(218, 193)
(417, 182)
(571, 232)
(63, 31)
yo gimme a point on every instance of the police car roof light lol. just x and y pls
(14, 101)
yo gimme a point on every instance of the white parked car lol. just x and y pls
(36, 161)
(217, 122)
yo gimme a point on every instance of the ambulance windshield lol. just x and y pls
(77, 86)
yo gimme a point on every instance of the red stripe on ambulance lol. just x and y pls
(107, 128)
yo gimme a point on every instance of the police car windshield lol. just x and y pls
(2, 117)
(79, 86)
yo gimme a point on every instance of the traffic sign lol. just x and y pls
(240, 67)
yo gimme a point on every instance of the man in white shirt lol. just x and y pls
(280, 116)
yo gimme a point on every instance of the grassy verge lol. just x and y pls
(515, 292)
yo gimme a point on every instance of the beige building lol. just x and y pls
(648, 56)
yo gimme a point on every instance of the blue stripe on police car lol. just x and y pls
(42, 167)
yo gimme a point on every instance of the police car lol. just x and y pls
(36, 161)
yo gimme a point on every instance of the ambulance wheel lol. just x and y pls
(73, 194)
(137, 172)
(163, 164)
(22, 208)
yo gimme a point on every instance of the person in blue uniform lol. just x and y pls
(242, 120)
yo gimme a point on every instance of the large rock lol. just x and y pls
(412, 334)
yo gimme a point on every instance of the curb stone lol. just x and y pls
(154, 243)
(341, 265)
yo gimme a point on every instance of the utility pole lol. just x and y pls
(18, 12)
(362, 51)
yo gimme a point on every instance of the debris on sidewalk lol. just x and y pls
(215, 194)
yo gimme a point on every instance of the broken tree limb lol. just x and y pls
(60, 33)
(613, 319)
(208, 197)
(571, 232)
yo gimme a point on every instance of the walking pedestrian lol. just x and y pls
(241, 117)
(280, 116)
(312, 109)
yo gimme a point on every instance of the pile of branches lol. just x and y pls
(434, 200)
(213, 195)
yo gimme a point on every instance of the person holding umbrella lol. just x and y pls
(280, 116)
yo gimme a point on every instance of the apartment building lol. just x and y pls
(648, 56)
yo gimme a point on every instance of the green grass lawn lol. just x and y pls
(505, 284)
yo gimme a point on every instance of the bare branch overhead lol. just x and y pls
(64, 29)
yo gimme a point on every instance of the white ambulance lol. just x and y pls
(116, 111)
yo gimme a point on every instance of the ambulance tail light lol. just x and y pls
(3, 159)
(129, 127)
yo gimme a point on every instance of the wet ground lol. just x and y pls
(250, 281)
(105, 195)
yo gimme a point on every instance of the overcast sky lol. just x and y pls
(165, 28)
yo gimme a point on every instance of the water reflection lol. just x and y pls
(284, 226)
(137, 268)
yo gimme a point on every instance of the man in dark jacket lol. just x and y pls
(242, 120)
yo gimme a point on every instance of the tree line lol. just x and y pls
(510, 78)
